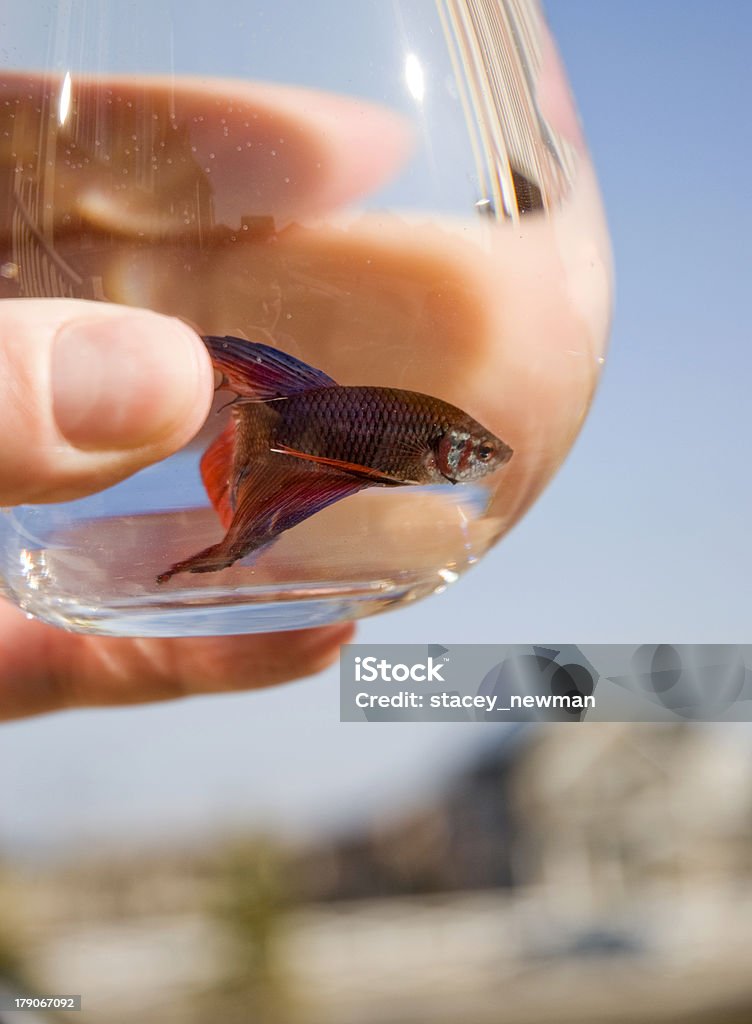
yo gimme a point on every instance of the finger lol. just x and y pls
(91, 392)
(45, 669)
(344, 148)
(198, 154)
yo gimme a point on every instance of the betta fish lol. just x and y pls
(298, 441)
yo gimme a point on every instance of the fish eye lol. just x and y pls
(485, 451)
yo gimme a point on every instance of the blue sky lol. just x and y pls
(643, 535)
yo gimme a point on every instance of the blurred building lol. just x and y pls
(623, 808)
(587, 818)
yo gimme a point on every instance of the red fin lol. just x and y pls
(216, 472)
(261, 373)
(372, 474)
(271, 500)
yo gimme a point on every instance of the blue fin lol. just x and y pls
(260, 373)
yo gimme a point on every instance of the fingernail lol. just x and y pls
(124, 381)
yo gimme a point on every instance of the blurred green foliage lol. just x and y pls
(251, 896)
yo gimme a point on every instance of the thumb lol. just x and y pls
(91, 392)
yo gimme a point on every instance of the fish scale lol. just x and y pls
(362, 425)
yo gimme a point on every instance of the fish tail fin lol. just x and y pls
(216, 472)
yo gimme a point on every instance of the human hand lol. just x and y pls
(90, 393)
(441, 306)
(81, 410)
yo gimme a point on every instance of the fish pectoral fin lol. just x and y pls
(260, 373)
(368, 473)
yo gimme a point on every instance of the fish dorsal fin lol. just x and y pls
(261, 373)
